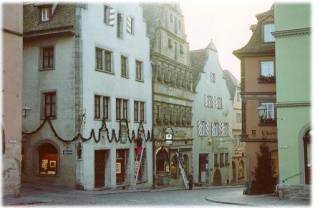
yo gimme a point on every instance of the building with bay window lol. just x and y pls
(87, 81)
(258, 90)
(172, 91)
(212, 119)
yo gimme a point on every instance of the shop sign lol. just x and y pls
(67, 152)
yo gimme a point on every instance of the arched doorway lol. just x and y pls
(217, 178)
(162, 161)
(307, 156)
(241, 170)
(48, 159)
(233, 172)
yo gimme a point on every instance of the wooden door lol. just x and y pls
(100, 156)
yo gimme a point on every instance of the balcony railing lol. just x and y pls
(267, 122)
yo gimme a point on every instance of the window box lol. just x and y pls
(267, 122)
(263, 79)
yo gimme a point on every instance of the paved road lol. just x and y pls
(164, 198)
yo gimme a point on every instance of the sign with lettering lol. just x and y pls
(67, 152)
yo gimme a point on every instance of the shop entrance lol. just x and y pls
(121, 164)
(100, 165)
(203, 167)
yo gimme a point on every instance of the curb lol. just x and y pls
(230, 203)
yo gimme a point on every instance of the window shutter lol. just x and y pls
(129, 25)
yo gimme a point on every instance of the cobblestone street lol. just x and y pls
(211, 196)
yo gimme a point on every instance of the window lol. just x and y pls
(219, 103)
(203, 129)
(238, 97)
(109, 15)
(139, 111)
(227, 159)
(216, 164)
(222, 160)
(171, 18)
(48, 159)
(49, 105)
(136, 109)
(269, 111)
(97, 106)
(45, 14)
(119, 25)
(267, 32)
(124, 67)
(212, 77)
(47, 58)
(169, 43)
(105, 107)
(103, 60)
(121, 109)
(181, 49)
(142, 111)
(226, 130)
(238, 118)
(118, 109)
(267, 68)
(139, 70)
(130, 25)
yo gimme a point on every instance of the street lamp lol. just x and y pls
(26, 109)
(261, 111)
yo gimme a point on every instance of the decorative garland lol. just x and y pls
(92, 134)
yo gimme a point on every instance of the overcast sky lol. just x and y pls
(226, 23)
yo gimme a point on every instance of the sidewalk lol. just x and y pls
(236, 197)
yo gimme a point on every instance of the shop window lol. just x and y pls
(174, 167)
(48, 159)
(241, 170)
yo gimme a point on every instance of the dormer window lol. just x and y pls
(268, 28)
(45, 14)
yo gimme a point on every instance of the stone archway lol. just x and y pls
(217, 178)
(162, 160)
(307, 156)
(48, 159)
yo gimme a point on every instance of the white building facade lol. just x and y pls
(212, 120)
(96, 93)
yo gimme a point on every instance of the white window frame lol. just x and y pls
(268, 28)
(130, 25)
(45, 14)
(266, 66)
(269, 110)
(109, 15)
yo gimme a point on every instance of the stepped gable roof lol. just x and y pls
(255, 45)
(211, 46)
(231, 82)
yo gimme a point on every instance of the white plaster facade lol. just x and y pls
(210, 82)
(76, 82)
(135, 47)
